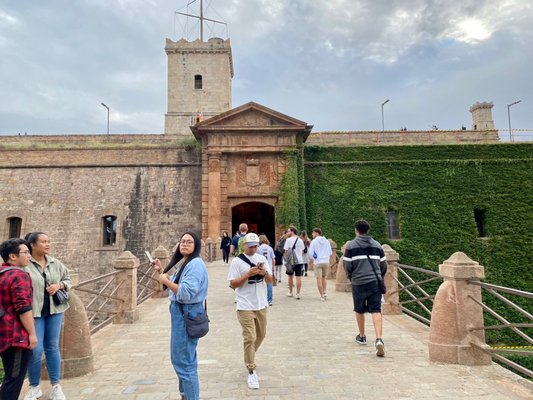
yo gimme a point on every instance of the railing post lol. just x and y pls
(127, 265)
(392, 301)
(164, 256)
(332, 268)
(75, 340)
(454, 312)
(342, 284)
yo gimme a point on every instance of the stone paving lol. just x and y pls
(309, 353)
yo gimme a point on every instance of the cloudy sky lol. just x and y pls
(330, 63)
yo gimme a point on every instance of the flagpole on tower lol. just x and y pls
(200, 17)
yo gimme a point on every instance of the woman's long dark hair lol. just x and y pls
(178, 256)
(31, 239)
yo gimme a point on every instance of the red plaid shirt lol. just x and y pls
(16, 296)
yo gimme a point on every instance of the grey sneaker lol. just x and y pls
(253, 381)
(57, 393)
(33, 393)
(360, 339)
(380, 348)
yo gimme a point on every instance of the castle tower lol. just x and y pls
(199, 82)
(482, 116)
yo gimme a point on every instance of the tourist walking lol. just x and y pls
(319, 253)
(365, 265)
(225, 245)
(237, 248)
(294, 245)
(17, 333)
(266, 251)
(248, 275)
(187, 291)
(305, 256)
(48, 277)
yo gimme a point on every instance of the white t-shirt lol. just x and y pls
(266, 251)
(250, 296)
(298, 249)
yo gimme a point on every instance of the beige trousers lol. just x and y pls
(254, 325)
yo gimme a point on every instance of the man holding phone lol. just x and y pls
(248, 275)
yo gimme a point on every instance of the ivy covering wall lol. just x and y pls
(434, 190)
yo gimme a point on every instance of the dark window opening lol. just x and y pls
(480, 216)
(15, 225)
(393, 227)
(197, 81)
(110, 230)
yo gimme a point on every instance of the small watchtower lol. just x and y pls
(482, 116)
(199, 79)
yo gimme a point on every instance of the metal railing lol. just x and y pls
(101, 302)
(147, 285)
(496, 351)
(423, 303)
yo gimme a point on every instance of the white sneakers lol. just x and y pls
(35, 392)
(253, 381)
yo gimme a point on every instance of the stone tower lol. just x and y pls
(482, 116)
(199, 81)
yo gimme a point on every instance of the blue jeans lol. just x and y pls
(269, 293)
(47, 330)
(183, 350)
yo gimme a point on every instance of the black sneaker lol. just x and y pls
(380, 348)
(360, 339)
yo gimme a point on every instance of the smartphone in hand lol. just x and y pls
(150, 258)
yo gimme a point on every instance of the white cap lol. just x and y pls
(251, 239)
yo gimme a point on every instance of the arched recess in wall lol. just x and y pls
(14, 227)
(393, 224)
(259, 216)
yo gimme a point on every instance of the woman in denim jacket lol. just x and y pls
(187, 293)
(48, 275)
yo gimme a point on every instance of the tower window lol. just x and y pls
(110, 230)
(197, 81)
(480, 217)
(14, 224)
(393, 227)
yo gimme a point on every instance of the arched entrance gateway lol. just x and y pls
(243, 160)
(260, 218)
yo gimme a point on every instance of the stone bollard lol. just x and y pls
(164, 256)
(392, 301)
(209, 249)
(75, 340)
(218, 250)
(127, 265)
(342, 284)
(454, 312)
(332, 267)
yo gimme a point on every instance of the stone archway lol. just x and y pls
(260, 218)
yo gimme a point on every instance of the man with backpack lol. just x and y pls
(237, 241)
(293, 251)
(17, 329)
(366, 265)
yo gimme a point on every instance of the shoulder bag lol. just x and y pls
(381, 283)
(196, 326)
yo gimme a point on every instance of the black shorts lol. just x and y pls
(366, 298)
(298, 270)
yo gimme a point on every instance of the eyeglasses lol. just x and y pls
(24, 252)
(187, 242)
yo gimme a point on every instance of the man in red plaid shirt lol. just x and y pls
(17, 330)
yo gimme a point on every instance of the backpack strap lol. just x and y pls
(9, 269)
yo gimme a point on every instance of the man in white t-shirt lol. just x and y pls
(319, 253)
(248, 275)
(298, 270)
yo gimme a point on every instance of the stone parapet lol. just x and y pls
(127, 265)
(392, 297)
(342, 284)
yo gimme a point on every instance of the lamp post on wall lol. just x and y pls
(382, 117)
(511, 137)
(107, 117)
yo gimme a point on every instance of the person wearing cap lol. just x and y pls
(249, 274)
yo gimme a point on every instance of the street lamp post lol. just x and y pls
(511, 137)
(382, 117)
(107, 117)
